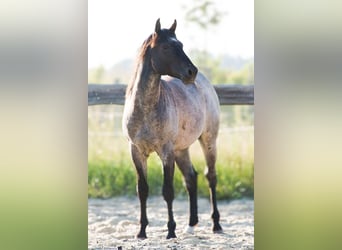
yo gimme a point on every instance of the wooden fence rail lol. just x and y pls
(115, 94)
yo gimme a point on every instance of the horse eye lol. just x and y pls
(166, 47)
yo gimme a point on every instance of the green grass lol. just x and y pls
(111, 171)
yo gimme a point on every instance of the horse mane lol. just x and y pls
(140, 57)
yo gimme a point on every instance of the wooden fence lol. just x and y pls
(115, 94)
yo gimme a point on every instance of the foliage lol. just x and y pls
(203, 13)
(107, 179)
(96, 75)
(217, 73)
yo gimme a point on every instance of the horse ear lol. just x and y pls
(157, 28)
(173, 27)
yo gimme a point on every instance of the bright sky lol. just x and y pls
(116, 29)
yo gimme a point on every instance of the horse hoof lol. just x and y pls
(217, 229)
(141, 236)
(171, 235)
(189, 230)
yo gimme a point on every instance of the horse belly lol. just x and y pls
(188, 132)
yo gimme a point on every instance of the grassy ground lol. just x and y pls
(111, 172)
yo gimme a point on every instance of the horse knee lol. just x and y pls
(191, 182)
(168, 193)
(212, 179)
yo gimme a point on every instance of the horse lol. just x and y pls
(168, 106)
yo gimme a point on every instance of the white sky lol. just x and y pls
(116, 29)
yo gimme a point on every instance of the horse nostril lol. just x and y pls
(192, 71)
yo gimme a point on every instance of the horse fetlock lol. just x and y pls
(193, 220)
(171, 226)
(141, 235)
(216, 218)
(142, 232)
(144, 223)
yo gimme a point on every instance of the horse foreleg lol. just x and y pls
(142, 188)
(168, 193)
(168, 190)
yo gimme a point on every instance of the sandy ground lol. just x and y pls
(113, 224)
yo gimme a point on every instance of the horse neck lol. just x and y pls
(146, 85)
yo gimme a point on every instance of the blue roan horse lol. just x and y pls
(166, 115)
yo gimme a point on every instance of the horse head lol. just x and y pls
(168, 57)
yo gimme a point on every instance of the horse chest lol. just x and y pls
(148, 134)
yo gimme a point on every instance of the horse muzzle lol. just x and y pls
(190, 74)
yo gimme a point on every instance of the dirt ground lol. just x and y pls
(113, 224)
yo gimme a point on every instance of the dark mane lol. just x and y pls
(144, 47)
(140, 57)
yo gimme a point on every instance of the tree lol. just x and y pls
(203, 13)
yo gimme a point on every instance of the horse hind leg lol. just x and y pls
(190, 178)
(142, 188)
(208, 144)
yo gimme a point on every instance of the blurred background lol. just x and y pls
(43, 62)
(218, 36)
